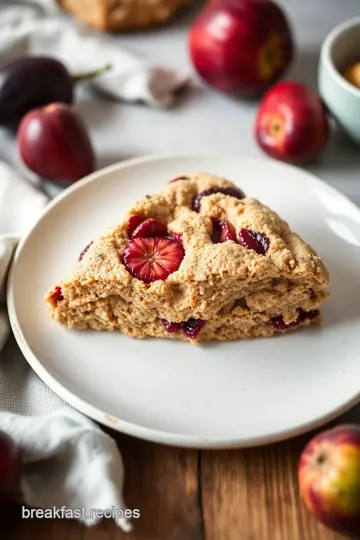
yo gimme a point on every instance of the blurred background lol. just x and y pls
(203, 119)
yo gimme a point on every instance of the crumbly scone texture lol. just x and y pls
(121, 15)
(234, 289)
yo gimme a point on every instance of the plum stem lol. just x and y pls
(88, 76)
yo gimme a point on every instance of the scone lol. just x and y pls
(121, 15)
(196, 261)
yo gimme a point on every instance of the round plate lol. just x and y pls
(221, 394)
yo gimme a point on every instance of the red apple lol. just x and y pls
(10, 473)
(241, 46)
(329, 478)
(291, 123)
(53, 142)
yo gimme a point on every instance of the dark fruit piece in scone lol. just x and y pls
(222, 231)
(215, 233)
(171, 327)
(177, 237)
(177, 178)
(227, 231)
(232, 192)
(150, 228)
(192, 327)
(133, 222)
(57, 295)
(254, 240)
(279, 324)
(85, 250)
(152, 259)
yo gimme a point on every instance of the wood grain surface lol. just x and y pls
(249, 494)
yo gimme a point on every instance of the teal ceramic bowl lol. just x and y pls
(340, 49)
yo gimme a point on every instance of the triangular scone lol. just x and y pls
(196, 261)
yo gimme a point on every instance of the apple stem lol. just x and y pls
(80, 77)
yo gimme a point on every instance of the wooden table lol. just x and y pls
(182, 494)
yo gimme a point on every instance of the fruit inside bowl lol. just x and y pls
(352, 74)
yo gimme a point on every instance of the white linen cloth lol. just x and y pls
(37, 28)
(67, 459)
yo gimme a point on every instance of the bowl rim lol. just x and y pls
(326, 58)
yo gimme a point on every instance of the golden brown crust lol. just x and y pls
(121, 15)
(101, 294)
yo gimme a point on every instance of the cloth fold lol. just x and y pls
(67, 462)
(38, 29)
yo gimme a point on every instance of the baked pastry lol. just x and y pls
(119, 15)
(196, 261)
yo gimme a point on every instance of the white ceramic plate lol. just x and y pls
(220, 394)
